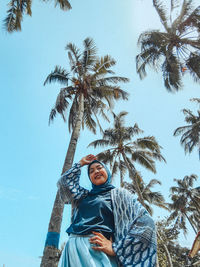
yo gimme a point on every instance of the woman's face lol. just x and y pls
(98, 174)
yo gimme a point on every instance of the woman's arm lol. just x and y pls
(68, 184)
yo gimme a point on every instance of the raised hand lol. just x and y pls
(87, 159)
(103, 243)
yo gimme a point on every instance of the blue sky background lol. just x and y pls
(32, 153)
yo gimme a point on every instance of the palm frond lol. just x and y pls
(171, 73)
(106, 156)
(193, 65)
(190, 21)
(119, 119)
(74, 56)
(110, 92)
(52, 115)
(153, 46)
(152, 183)
(195, 100)
(113, 79)
(100, 142)
(161, 12)
(64, 4)
(182, 129)
(61, 104)
(87, 118)
(144, 159)
(15, 14)
(184, 13)
(148, 142)
(89, 55)
(59, 74)
(103, 65)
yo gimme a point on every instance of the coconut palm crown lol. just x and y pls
(17, 9)
(123, 150)
(185, 203)
(174, 51)
(88, 76)
(190, 134)
(150, 197)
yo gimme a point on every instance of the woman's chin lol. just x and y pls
(99, 181)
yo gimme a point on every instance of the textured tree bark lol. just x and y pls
(51, 254)
(169, 259)
(141, 199)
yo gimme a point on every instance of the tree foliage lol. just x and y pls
(169, 237)
(18, 8)
(175, 50)
(150, 197)
(90, 76)
(124, 150)
(185, 204)
(190, 133)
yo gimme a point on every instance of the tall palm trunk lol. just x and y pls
(51, 253)
(190, 223)
(196, 204)
(132, 174)
(169, 259)
(121, 180)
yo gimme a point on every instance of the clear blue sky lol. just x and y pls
(32, 153)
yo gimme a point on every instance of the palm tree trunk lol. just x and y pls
(51, 253)
(196, 204)
(191, 223)
(121, 180)
(139, 193)
(169, 259)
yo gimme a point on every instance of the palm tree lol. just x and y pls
(150, 197)
(174, 51)
(87, 86)
(185, 203)
(181, 212)
(185, 189)
(190, 133)
(17, 9)
(124, 150)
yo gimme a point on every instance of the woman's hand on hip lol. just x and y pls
(87, 159)
(103, 243)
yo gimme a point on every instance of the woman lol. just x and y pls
(109, 227)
